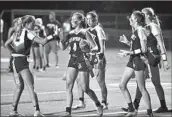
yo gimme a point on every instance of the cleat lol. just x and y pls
(161, 110)
(38, 114)
(124, 109)
(105, 106)
(131, 114)
(80, 105)
(15, 114)
(100, 110)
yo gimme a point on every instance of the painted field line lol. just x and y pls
(110, 113)
(51, 92)
(120, 112)
(147, 84)
(115, 85)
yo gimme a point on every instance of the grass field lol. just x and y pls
(51, 88)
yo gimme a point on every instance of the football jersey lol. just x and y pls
(97, 34)
(52, 27)
(152, 44)
(136, 37)
(74, 39)
(23, 42)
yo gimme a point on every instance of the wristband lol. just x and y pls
(164, 57)
(49, 37)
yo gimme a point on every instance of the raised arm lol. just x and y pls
(33, 36)
(63, 40)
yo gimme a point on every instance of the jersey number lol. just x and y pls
(74, 47)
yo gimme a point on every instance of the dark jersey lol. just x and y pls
(97, 34)
(152, 43)
(74, 39)
(23, 42)
(136, 37)
(52, 28)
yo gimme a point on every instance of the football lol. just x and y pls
(85, 46)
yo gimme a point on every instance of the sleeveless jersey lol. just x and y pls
(152, 44)
(74, 39)
(135, 40)
(97, 34)
(23, 42)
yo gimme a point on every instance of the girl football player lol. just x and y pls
(77, 64)
(135, 64)
(21, 42)
(99, 37)
(154, 40)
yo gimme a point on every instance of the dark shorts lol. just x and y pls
(136, 63)
(153, 59)
(20, 63)
(77, 64)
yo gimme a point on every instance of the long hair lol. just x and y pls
(27, 19)
(94, 15)
(81, 17)
(140, 17)
(154, 18)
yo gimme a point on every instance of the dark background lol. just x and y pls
(99, 6)
(161, 8)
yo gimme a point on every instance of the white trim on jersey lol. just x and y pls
(100, 33)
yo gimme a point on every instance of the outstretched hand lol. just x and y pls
(123, 39)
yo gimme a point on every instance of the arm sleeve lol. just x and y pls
(100, 33)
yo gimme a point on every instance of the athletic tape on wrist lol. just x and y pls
(164, 57)
(49, 37)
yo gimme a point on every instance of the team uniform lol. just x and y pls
(97, 34)
(135, 61)
(77, 59)
(51, 30)
(22, 45)
(153, 53)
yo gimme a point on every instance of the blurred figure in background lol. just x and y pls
(52, 31)
(38, 49)
(1, 32)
